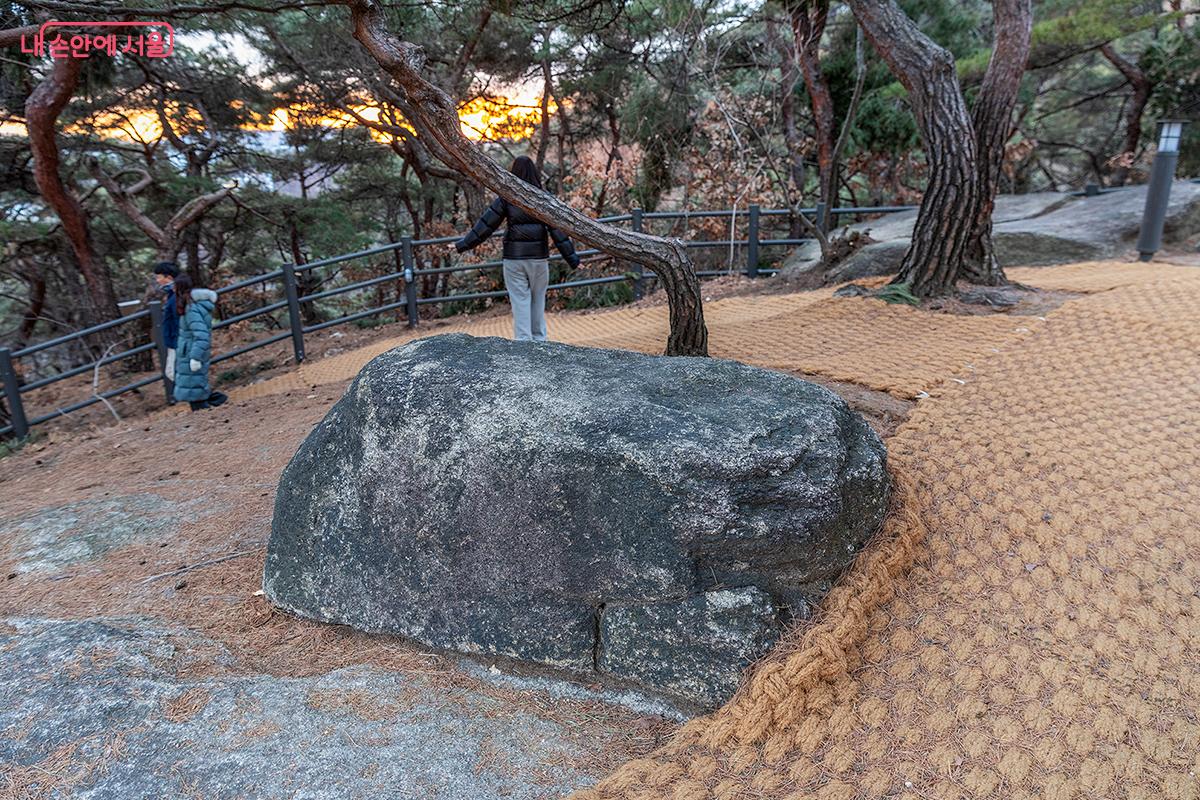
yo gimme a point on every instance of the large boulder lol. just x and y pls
(1038, 229)
(1093, 227)
(591, 510)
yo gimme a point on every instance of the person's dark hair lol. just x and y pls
(524, 168)
(183, 292)
(166, 268)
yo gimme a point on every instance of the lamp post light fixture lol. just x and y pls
(1162, 174)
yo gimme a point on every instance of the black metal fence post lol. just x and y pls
(821, 217)
(639, 283)
(752, 244)
(11, 384)
(12, 394)
(293, 301)
(410, 281)
(160, 347)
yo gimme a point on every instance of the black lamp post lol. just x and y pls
(1162, 174)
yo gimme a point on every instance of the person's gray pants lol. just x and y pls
(526, 280)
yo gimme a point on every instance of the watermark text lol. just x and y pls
(83, 39)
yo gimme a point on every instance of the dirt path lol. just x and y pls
(1044, 642)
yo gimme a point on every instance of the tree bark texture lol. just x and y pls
(1142, 87)
(964, 152)
(993, 122)
(435, 118)
(808, 19)
(947, 212)
(42, 108)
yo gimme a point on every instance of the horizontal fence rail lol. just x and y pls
(287, 281)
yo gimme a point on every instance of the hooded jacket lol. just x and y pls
(195, 343)
(525, 237)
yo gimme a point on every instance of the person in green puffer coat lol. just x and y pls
(195, 307)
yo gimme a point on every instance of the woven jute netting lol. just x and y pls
(890, 348)
(1027, 623)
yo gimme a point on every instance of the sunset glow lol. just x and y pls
(482, 119)
(501, 117)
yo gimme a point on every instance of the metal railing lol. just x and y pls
(293, 300)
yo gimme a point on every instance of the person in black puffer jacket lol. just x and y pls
(526, 254)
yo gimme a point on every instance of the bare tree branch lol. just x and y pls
(167, 239)
(12, 36)
(195, 208)
(123, 201)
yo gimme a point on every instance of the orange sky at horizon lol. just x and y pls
(481, 119)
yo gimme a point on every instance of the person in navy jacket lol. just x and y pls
(165, 273)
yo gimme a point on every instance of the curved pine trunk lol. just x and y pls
(952, 238)
(945, 220)
(42, 108)
(993, 126)
(435, 118)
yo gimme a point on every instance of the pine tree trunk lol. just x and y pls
(993, 123)
(808, 20)
(42, 108)
(945, 219)
(952, 236)
(1142, 88)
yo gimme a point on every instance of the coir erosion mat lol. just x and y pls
(1027, 624)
